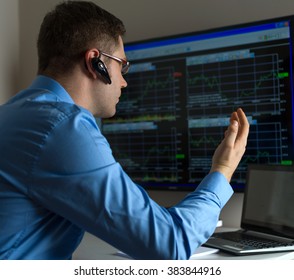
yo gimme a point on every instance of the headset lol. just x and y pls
(101, 69)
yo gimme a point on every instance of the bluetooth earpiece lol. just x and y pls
(101, 69)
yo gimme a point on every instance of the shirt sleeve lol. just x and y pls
(76, 177)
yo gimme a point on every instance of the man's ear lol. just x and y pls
(89, 56)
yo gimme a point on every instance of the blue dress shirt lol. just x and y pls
(58, 179)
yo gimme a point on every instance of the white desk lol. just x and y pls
(92, 248)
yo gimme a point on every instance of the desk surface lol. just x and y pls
(92, 248)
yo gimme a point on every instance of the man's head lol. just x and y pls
(70, 30)
(80, 45)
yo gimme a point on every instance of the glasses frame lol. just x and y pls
(124, 63)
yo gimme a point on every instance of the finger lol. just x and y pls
(232, 132)
(243, 124)
(234, 116)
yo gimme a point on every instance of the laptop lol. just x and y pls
(267, 222)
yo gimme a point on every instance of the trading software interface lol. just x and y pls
(180, 95)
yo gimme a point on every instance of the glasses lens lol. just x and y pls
(125, 67)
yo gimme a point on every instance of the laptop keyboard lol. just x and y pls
(253, 241)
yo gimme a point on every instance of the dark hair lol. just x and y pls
(70, 29)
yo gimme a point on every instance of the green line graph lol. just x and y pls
(149, 96)
(204, 140)
(214, 82)
(156, 84)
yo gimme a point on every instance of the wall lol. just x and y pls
(9, 48)
(143, 19)
(31, 16)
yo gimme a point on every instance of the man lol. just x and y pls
(58, 177)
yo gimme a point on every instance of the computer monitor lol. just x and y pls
(182, 90)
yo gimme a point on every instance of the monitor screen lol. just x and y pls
(182, 90)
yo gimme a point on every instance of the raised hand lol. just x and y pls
(230, 151)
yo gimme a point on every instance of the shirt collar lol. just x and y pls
(49, 84)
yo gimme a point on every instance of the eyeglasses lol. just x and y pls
(124, 63)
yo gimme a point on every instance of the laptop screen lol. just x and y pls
(269, 199)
